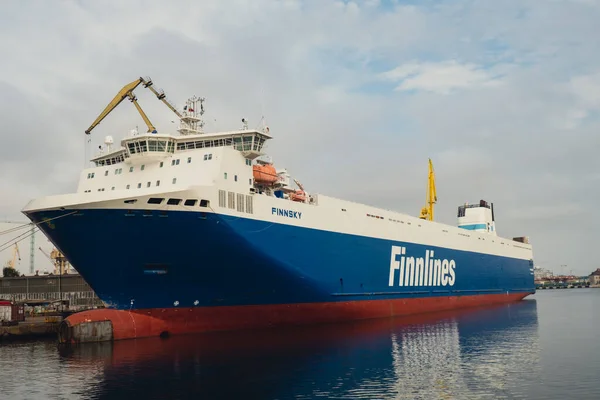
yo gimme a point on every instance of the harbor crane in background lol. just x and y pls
(61, 265)
(32, 231)
(127, 92)
(11, 263)
(427, 211)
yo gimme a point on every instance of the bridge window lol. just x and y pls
(247, 140)
(157, 145)
(258, 142)
(111, 160)
(205, 203)
(155, 200)
(153, 145)
(190, 202)
(173, 202)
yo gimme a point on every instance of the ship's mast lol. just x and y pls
(191, 122)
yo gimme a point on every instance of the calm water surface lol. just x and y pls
(546, 347)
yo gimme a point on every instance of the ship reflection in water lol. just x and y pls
(490, 353)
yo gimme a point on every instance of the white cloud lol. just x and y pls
(587, 89)
(440, 77)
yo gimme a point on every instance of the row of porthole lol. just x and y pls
(176, 202)
(139, 186)
(374, 216)
(172, 202)
(173, 162)
(398, 221)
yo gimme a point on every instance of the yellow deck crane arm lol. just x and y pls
(133, 99)
(160, 94)
(125, 92)
(431, 198)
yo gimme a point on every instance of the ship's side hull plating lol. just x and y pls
(211, 271)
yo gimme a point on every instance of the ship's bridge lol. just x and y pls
(144, 148)
(148, 148)
(248, 142)
(141, 148)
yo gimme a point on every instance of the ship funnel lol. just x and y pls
(477, 217)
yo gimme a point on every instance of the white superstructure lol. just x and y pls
(227, 173)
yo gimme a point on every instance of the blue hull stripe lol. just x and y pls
(472, 227)
(140, 259)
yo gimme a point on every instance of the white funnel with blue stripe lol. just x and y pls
(477, 217)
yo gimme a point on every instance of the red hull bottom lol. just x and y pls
(109, 324)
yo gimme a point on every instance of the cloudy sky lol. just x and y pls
(502, 95)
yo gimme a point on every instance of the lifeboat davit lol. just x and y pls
(265, 174)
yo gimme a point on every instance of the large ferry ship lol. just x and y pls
(195, 231)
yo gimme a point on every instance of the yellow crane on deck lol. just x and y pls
(127, 92)
(427, 211)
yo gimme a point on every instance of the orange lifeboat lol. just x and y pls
(299, 195)
(265, 174)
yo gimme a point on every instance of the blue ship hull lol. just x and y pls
(139, 260)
